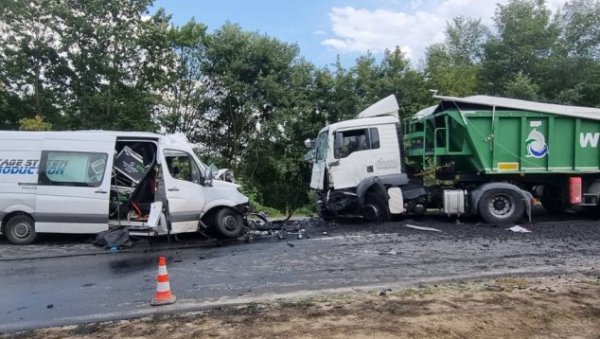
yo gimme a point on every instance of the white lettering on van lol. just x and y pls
(589, 139)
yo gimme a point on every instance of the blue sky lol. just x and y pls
(327, 28)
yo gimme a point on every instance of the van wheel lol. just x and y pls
(501, 206)
(228, 223)
(375, 208)
(20, 230)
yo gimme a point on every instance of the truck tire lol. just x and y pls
(375, 208)
(20, 230)
(501, 206)
(228, 223)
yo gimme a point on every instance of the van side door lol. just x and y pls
(74, 183)
(184, 190)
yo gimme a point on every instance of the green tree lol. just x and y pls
(85, 64)
(526, 36)
(452, 67)
(185, 100)
(36, 123)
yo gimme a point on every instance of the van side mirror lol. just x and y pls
(211, 172)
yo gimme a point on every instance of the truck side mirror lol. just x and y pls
(309, 143)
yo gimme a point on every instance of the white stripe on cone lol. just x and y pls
(163, 287)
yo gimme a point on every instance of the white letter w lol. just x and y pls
(589, 139)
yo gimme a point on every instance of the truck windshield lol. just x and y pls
(321, 146)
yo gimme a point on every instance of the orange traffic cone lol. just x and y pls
(163, 294)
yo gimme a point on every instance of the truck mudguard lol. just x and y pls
(380, 182)
(478, 192)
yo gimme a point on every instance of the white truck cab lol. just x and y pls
(90, 181)
(355, 161)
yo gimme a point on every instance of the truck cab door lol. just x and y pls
(74, 184)
(317, 179)
(184, 189)
(362, 152)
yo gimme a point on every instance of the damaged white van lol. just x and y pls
(90, 181)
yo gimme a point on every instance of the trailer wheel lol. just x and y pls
(501, 206)
(20, 230)
(375, 208)
(228, 223)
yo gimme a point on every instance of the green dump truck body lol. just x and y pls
(489, 135)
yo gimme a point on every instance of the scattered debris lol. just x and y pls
(50, 306)
(519, 229)
(423, 228)
(114, 239)
(290, 244)
(384, 292)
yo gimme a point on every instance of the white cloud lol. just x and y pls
(319, 32)
(362, 30)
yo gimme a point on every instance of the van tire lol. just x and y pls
(375, 208)
(20, 230)
(501, 206)
(228, 223)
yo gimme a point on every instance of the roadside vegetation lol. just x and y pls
(249, 100)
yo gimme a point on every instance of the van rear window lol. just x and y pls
(72, 168)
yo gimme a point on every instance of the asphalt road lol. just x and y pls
(70, 288)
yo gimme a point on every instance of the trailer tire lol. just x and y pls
(20, 230)
(375, 208)
(228, 223)
(501, 206)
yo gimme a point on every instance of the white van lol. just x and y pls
(90, 181)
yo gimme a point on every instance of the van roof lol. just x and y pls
(74, 134)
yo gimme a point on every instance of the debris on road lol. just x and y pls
(114, 239)
(262, 228)
(384, 292)
(423, 228)
(518, 229)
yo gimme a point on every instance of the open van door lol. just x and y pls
(184, 190)
(74, 183)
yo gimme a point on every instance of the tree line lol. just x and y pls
(248, 99)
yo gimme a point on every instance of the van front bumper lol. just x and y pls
(243, 209)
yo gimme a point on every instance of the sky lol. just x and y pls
(324, 29)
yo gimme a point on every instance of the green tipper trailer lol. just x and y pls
(490, 135)
(544, 149)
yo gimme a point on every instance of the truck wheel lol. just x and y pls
(20, 230)
(501, 206)
(228, 223)
(375, 208)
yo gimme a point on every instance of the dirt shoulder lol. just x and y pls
(550, 307)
